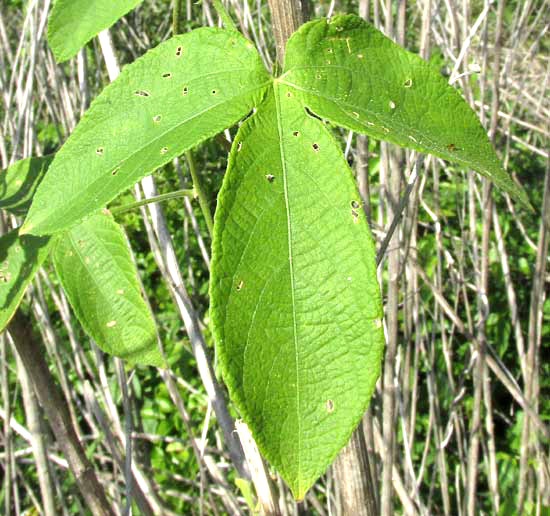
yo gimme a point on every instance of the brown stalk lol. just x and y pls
(30, 351)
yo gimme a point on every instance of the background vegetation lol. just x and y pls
(469, 364)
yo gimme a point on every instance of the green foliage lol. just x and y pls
(19, 182)
(73, 23)
(96, 269)
(351, 74)
(288, 237)
(185, 90)
(295, 301)
(97, 272)
(20, 258)
(296, 308)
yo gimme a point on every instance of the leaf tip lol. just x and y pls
(520, 195)
(299, 492)
(299, 486)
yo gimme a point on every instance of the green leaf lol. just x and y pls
(349, 73)
(246, 489)
(187, 89)
(20, 258)
(295, 302)
(73, 23)
(19, 181)
(95, 266)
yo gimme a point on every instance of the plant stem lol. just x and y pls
(203, 201)
(8, 447)
(392, 319)
(352, 472)
(34, 421)
(55, 406)
(286, 17)
(159, 198)
(176, 14)
(224, 15)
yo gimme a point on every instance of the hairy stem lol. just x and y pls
(224, 15)
(203, 201)
(286, 17)
(158, 198)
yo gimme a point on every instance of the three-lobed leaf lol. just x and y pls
(295, 303)
(187, 89)
(20, 258)
(294, 297)
(94, 263)
(73, 23)
(349, 73)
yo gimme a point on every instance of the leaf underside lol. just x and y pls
(20, 258)
(96, 269)
(187, 89)
(73, 23)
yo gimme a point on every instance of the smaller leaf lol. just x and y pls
(95, 266)
(20, 258)
(73, 23)
(19, 181)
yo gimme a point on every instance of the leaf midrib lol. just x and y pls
(277, 92)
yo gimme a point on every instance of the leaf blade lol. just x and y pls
(94, 264)
(20, 258)
(19, 182)
(288, 295)
(161, 105)
(73, 23)
(349, 73)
